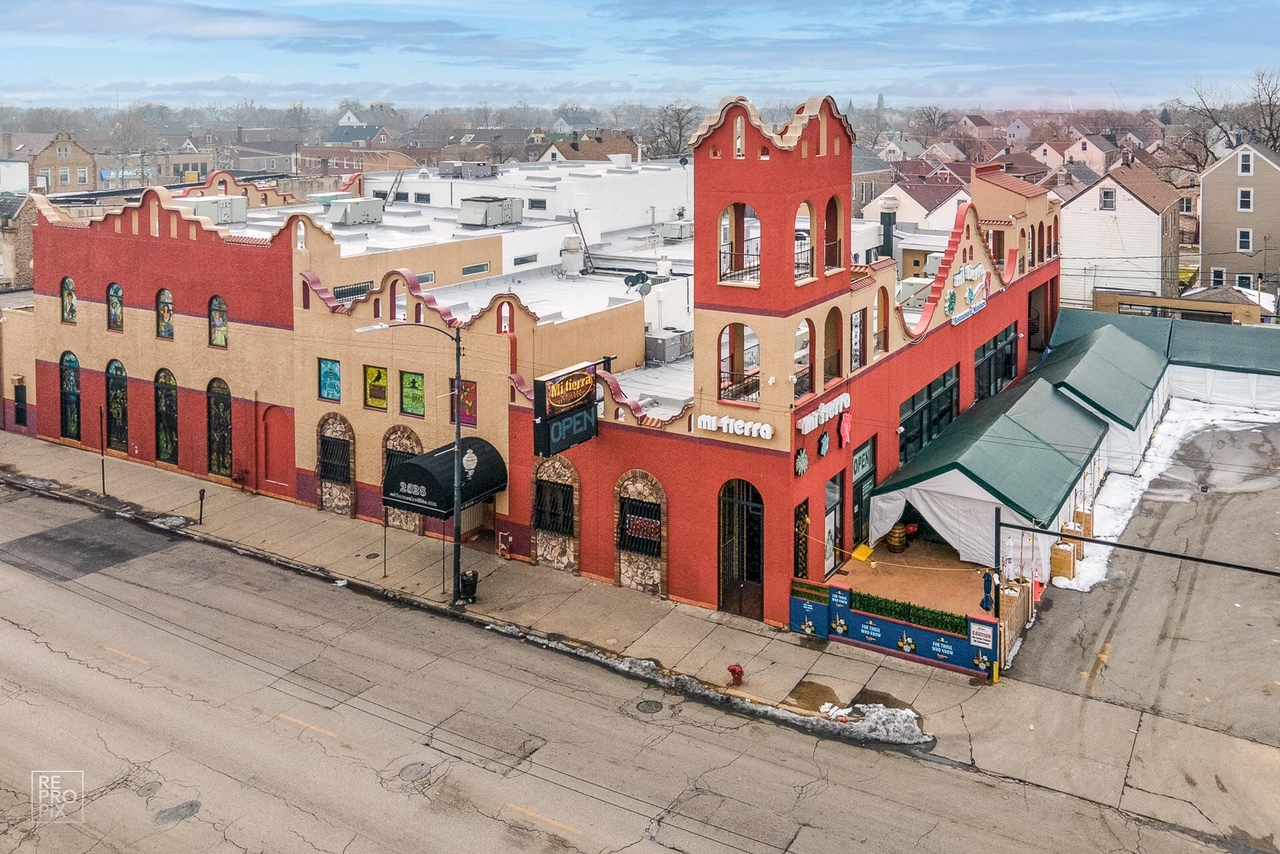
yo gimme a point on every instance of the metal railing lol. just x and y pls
(834, 257)
(804, 262)
(831, 367)
(804, 380)
(1022, 265)
(880, 342)
(741, 266)
(739, 385)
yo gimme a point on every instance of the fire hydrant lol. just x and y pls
(735, 672)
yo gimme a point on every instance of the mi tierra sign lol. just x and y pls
(564, 409)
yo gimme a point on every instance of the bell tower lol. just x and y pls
(771, 261)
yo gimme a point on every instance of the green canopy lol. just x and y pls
(1109, 370)
(1075, 323)
(1027, 447)
(1252, 349)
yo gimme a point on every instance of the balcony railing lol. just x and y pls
(1022, 265)
(804, 380)
(740, 266)
(880, 342)
(739, 385)
(831, 367)
(834, 256)
(804, 262)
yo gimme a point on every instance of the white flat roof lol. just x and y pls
(663, 391)
(548, 294)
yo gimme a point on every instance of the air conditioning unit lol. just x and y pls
(489, 211)
(667, 345)
(677, 230)
(467, 169)
(220, 210)
(355, 211)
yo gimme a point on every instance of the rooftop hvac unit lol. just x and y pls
(467, 169)
(667, 345)
(355, 211)
(677, 230)
(490, 211)
(220, 210)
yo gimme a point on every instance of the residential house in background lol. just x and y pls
(870, 176)
(1051, 154)
(979, 127)
(1121, 234)
(265, 157)
(942, 152)
(928, 204)
(1018, 132)
(1068, 180)
(1097, 151)
(56, 163)
(1022, 165)
(360, 136)
(590, 148)
(1240, 219)
(901, 149)
(911, 169)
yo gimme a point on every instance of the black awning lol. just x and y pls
(424, 484)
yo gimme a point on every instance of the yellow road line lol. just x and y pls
(549, 821)
(306, 725)
(126, 655)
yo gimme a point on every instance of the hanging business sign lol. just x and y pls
(824, 413)
(564, 409)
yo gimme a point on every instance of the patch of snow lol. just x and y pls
(170, 522)
(1118, 499)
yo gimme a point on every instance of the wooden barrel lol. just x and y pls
(896, 540)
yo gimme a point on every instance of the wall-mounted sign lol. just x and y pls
(735, 426)
(824, 413)
(824, 443)
(802, 462)
(864, 461)
(564, 409)
(975, 296)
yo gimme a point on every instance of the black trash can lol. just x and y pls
(468, 581)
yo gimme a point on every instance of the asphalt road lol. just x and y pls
(1189, 641)
(217, 704)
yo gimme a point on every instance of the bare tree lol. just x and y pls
(1261, 111)
(671, 126)
(778, 113)
(931, 122)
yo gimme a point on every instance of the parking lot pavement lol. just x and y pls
(1191, 642)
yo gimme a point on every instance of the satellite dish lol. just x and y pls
(642, 277)
(644, 289)
(630, 282)
(684, 161)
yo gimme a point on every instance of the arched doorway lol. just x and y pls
(166, 417)
(277, 446)
(555, 523)
(741, 539)
(218, 426)
(399, 444)
(640, 520)
(117, 407)
(335, 464)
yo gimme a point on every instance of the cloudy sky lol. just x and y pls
(958, 53)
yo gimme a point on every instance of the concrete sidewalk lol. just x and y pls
(1106, 753)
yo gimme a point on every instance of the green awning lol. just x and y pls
(1027, 446)
(1253, 349)
(1075, 323)
(1109, 370)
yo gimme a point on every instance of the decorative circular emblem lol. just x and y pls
(802, 461)
(824, 443)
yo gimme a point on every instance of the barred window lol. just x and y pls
(640, 527)
(553, 507)
(335, 460)
(801, 567)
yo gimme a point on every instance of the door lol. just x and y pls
(834, 537)
(862, 510)
(741, 538)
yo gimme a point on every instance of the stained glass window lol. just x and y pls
(166, 417)
(69, 379)
(115, 308)
(217, 322)
(412, 396)
(218, 403)
(164, 315)
(375, 387)
(68, 300)
(117, 407)
(330, 380)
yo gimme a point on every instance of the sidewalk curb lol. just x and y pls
(644, 670)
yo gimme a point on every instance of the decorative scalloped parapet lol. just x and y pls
(790, 135)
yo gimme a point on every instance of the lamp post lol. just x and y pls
(456, 338)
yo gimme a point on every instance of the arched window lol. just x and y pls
(399, 310)
(739, 364)
(831, 340)
(804, 358)
(218, 322)
(504, 317)
(69, 392)
(218, 424)
(301, 231)
(68, 300)
(117, 407)
(880, 323)
(115, 308)
(1040, 244)
(166, 417)
(164, 314)
(640, 508)
(739, 137)
(804, 241)
(739, 244)
(833, 235)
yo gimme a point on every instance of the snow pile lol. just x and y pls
(877, 723)
(171, 522)
(1120, 493)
